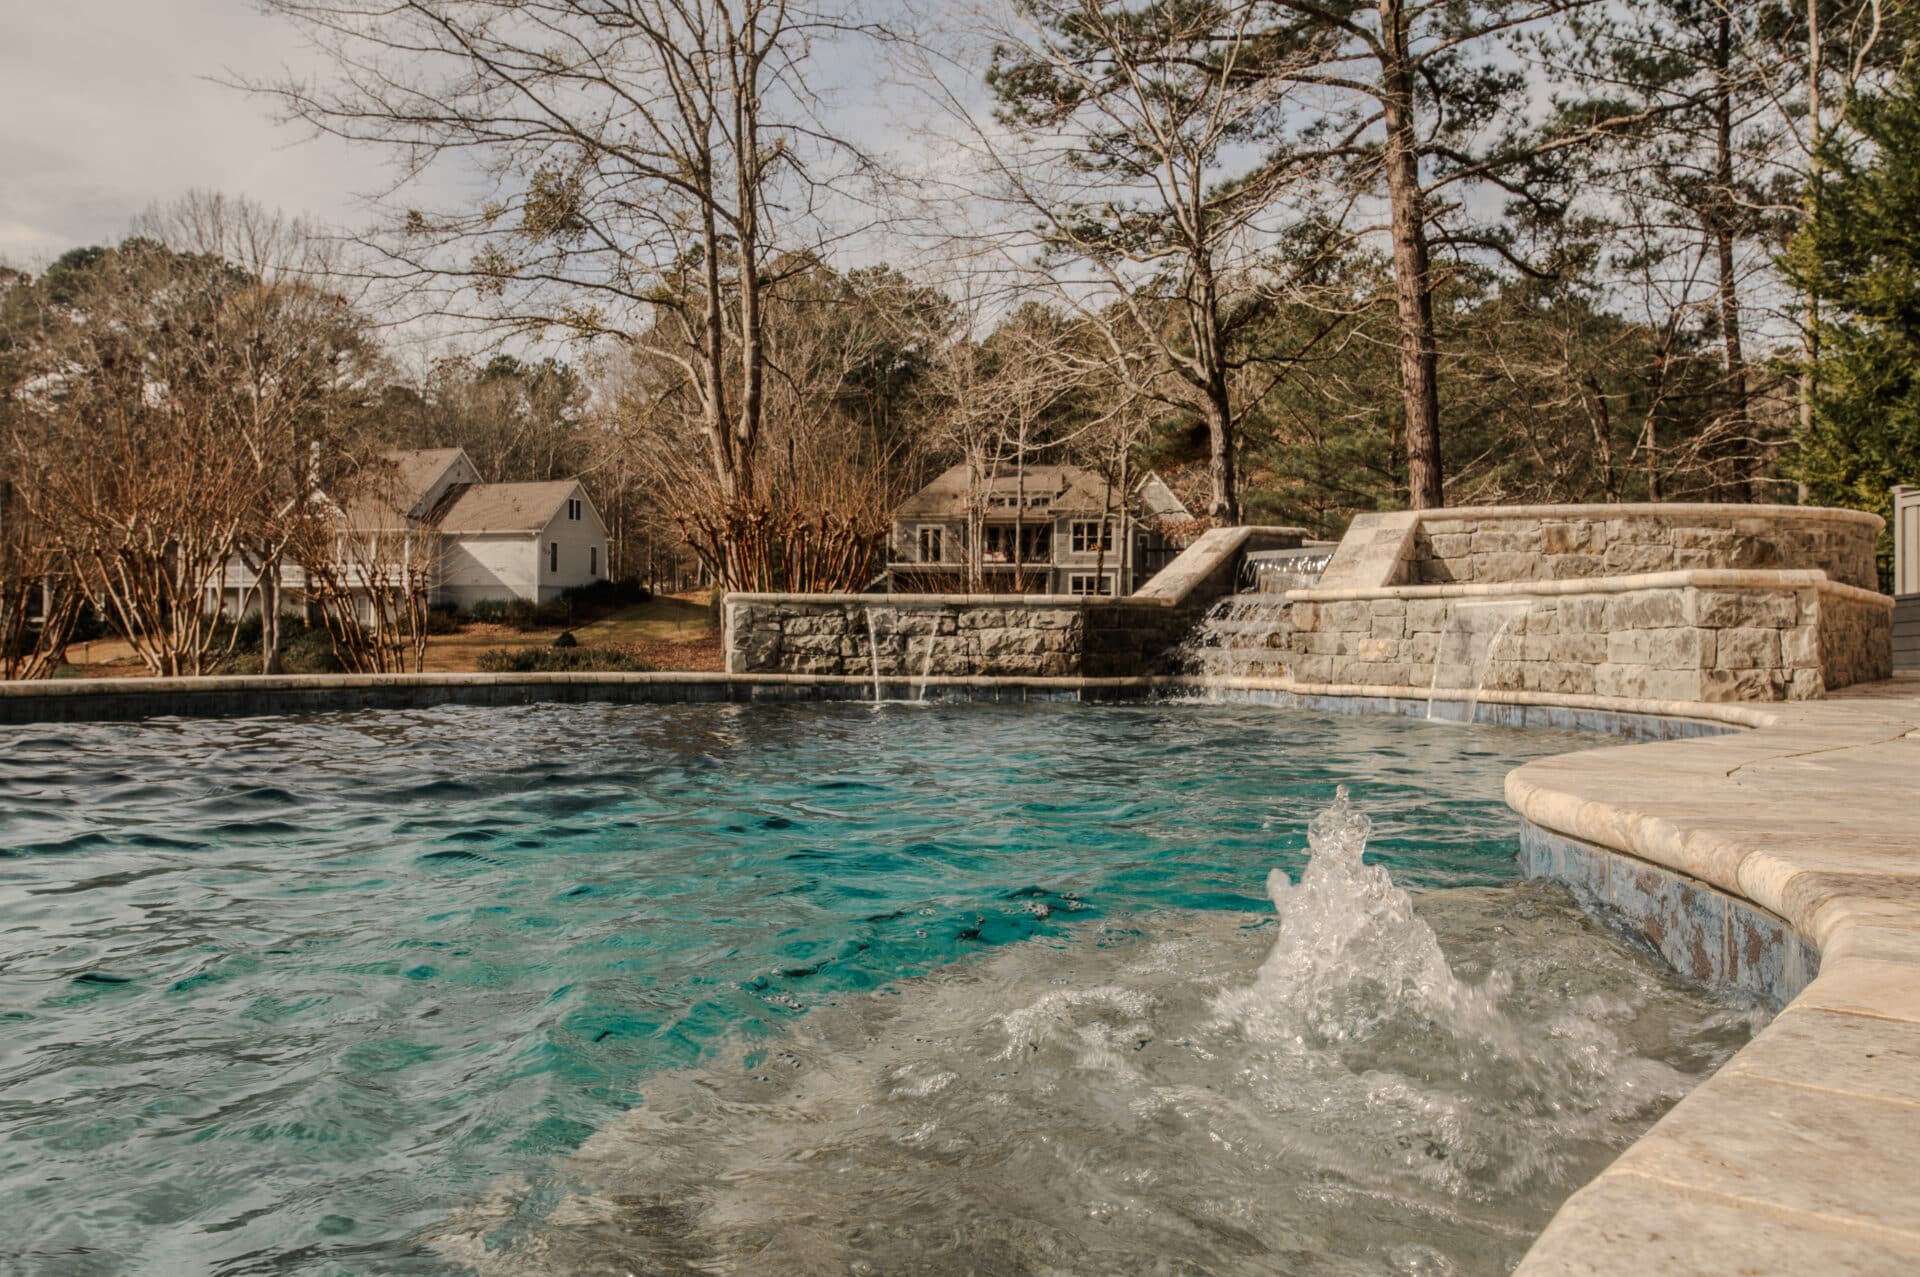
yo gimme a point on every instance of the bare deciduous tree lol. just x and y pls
(653, 163)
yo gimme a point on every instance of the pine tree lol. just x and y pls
(1859, 257)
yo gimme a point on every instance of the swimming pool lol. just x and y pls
(286, 994)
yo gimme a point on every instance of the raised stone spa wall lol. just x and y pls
(1558, 543)
(1675, 602)
(992, 635)
(1710, 635)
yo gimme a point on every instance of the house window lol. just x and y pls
(930, 545)
(1089, 583)
(1036, 544)
(1092, 535)
(593, 560)
(1003, 503)
(1039, 501)
(573, 508)
(553, 556)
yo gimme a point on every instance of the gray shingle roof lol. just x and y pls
(503, 507)
(1067, 489)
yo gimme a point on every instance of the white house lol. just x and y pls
(517, 540)
(479, 541)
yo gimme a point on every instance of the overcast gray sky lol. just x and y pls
(106, 107)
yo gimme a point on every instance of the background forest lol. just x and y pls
(1305, 259)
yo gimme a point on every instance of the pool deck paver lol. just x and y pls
(1802, 1155)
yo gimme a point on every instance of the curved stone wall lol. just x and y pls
(1559, 543)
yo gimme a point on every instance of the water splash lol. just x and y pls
(1394, 1091)
(1357, 981)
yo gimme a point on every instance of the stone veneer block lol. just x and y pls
(1629, 1224)
(1853, 1054)
(1791, 1146)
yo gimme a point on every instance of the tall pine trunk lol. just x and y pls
(1739, 452)
(1412, 276)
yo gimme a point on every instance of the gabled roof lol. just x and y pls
(415, 469)
(502, 507)
(1067, 490)
(395, 490)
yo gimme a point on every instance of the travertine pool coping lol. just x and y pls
(1802, 1155)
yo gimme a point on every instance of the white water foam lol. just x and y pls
(1364, 1083)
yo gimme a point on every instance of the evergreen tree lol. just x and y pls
(1859, 257)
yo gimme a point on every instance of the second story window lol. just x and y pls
(931, 545)
(573, 508)
(1092, 536)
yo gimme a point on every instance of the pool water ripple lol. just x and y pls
(277, 995)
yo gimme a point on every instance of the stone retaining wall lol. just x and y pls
(1711, 636)
(1557, 543)
(992, 635)
(950, 636)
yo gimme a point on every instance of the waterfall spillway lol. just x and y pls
(1469, 643)
(873, 653)
(926, 662)
(1245, 635)
(1241, 636)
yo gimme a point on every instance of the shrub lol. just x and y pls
(557, 660)
(304, 649)
(308, 650)
(444, 621)
(608, 594)
(491, 611)
(566, 639)
(523, 614)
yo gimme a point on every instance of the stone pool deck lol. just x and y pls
(1802, 1155)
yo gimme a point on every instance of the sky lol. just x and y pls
(109, 106)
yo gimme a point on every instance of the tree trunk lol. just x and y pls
(1738, 485)
(269, 616)
(1224, 509)
(1412, 278)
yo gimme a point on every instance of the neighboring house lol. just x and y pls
(517, 540)
(1042, 530)
(478, 541)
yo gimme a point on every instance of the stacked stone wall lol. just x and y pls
(992, 636)
(1690, 642)
(916, 636)
(1582, 542)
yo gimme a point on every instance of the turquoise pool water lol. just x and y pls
(277, 994)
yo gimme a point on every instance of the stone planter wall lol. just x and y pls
(1710, 635)
(1560, 543)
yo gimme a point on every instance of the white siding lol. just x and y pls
(476, 566)
(583, 545)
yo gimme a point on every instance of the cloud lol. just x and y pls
(109, 106)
